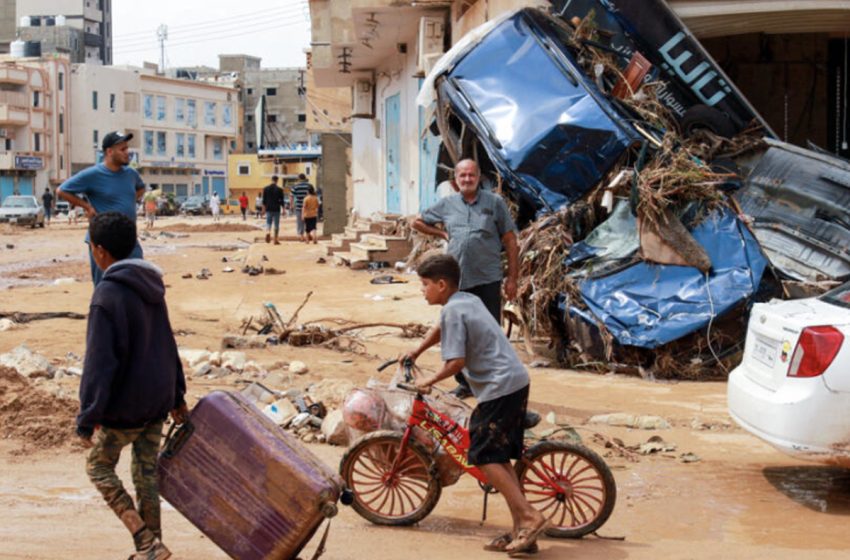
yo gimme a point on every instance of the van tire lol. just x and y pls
(707, 118)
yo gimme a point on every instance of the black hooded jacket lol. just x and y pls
(132, 374)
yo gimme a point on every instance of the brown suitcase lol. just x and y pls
(249, 486)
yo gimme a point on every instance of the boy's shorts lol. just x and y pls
(310, 224)
(496, 429)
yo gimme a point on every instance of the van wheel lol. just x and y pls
(703, 117)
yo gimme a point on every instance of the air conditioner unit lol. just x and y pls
(432, 32)
(363, 99)
(4, 133)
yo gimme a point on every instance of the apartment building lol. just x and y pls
(81, 29)
(34, 124)
(183, 130)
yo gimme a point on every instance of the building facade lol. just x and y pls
(183, 130)
(250, 173)
(35, 121)
(785, 56)
(81, 29)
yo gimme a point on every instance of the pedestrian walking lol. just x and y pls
(272, 203)
(215, 207)
(149, 200)
(47, 203)
(299, 192)
(310, 215)
(243, 206)
(477, 226)
(108, 186)
(132, 378)
(258, 205)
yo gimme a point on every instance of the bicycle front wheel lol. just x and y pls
(385, 496)
(569, 484)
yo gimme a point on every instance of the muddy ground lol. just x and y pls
(741, 499)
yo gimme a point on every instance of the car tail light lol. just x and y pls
(815, 350)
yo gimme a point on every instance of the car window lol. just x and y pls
(19, 202)
(839, 296)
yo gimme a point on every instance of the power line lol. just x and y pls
(220, 28)
(214, 37)
(178, 28)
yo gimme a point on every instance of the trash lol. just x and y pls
(64, 281)
(234, 361)
(321, 260)
(251, 270)
(689, 458)
(387, 279)
(539, 363)
(186, 275)
(335, 429)
(8, 325)
(201, 369)
(28, 363)
(298, 368)
(655, 444)
(631, 421)
(273, 271)
(227, 269)
(282, 411)
(235, 341)
(204, 274)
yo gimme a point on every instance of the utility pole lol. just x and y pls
(162, 35)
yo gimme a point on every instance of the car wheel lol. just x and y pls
(707, 118)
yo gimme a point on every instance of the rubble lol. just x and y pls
(27, 363)
(334, 428)
(631, 421)
(298, 368)
(235, 341)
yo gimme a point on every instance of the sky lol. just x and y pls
(278, 31)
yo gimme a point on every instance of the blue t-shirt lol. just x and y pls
(107, 190)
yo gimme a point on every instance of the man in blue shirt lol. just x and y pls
(109, 186)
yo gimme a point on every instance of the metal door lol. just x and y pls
(393, 153)
(25, 185)
(206, 186)
(429, 150)
(218, 186)
(7, 187)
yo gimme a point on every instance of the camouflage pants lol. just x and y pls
(103, 458)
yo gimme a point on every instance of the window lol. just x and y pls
(37, 142)
(250, 118)
(191, 118)
(160, 143)
(149, 106)
(191, 146)
(36, 99)
(243, 169)
(94, 100)
(271, 91)
(302, 117)
(160, 108)
(61, 161)
(250, 91)
(250, 145)
(149, 142)
(112, 102)
(209, 113)
(226, 115)
(218, 152)
(179, 109)
(94, 137)
(61, 81)
(61, 123)
(181, 141)
(271, 118)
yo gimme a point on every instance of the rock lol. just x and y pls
(193, 357)
(689, 458)
(59, 375)
(631, 421)
(8, 325)
(656, 446)
(202, 369)
(309, 437)
(253, 366)
(234, 361)
(330, 392)
(218, 372)
(64, 281)
(276, 380)
(237, 341)
(74, 371)
(334, 428)
(298, 368)
(215, 358)
(282, 411)
(27, 363)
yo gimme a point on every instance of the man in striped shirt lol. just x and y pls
(299, 193)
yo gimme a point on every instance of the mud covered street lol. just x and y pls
(712, 492)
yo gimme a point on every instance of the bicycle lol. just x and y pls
(394, 478)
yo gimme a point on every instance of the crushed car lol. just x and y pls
(656, 205)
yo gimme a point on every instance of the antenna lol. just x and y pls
(162, 36)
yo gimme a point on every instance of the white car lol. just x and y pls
(792, 388)
(22, 210)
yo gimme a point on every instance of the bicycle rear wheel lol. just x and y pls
(569, 484)
(403, 497)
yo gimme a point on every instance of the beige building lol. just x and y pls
(34, 124)
(183, 130)
(80, 28)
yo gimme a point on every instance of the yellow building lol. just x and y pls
(250, 173)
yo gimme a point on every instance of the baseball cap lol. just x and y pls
(115, 137)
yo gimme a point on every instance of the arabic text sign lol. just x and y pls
(29, 162)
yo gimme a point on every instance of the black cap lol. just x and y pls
(115, 138)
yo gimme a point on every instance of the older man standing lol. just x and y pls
(477, 226)
(110, 186)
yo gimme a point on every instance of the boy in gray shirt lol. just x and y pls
(472, 342)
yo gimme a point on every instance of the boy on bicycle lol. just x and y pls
(472, 342)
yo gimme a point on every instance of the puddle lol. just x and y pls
(822, 489)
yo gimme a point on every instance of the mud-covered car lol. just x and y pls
(22, 210)
(196, 205)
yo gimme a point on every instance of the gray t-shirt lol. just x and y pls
(467, 330)
(475, 234)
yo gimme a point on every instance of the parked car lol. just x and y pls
(166, 206)
(196, 205)
(792, 388)
(62, 207)
(22, 210)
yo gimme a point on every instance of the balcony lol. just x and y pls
(11, 115)
(11, 75)
(93, 40)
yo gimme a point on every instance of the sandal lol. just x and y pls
(526, 539)
(500, 543)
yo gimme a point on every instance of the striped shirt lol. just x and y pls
(299, 191)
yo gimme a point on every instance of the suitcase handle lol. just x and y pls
(174, 441)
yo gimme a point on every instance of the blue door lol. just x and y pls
(7, 187)
(25, 185)
(206, 186)
(393, 151)
(218, 186)
(429, 150)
